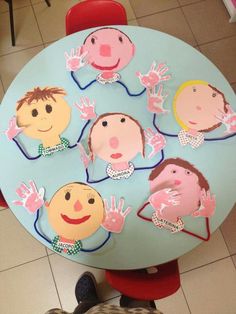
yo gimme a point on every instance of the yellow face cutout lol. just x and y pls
(44, 119)
(75, 211)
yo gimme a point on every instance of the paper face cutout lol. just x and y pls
(108, 50)
(75, 211)
(196, 106)
(44, 114)
(116, 138)
(178, 190)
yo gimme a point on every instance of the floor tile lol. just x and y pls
(66, 274)
(234, 86)
(26, 31)
(28, 289)
(186, 2)
(17, 61)
(50, 252)
(1, 97)
(16, 4)
(174, 304)
(216, 52)
(205, 253)
(141, 8)
(211, 289)
(234, 260)
(172, 22)
(128, 8)
(133, 23)
(214, 21)
(17, 246)
(51, 20)
(229, 231)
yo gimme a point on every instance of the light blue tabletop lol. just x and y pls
(140, 244)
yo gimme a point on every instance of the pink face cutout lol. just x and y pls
(116, 138)
(197, 107)
(109, 50)
(186, 183)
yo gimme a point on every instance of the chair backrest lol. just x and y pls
(138, 284)
(2, 201)
(93, 13)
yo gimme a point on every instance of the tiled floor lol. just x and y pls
(33, 279)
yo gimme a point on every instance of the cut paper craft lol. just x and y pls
(43, 114)
(156, 100)
(200, 108)
(228, 119)
(115, 216)
(154, 76)
(107, 50)
(75, 212)
(178, 189)
(117, 138)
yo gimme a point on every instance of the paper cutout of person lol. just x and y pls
(44, 114)
(197, 106)
(75, 212)
(178, 189)
(117, 138)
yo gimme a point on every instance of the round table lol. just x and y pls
(140, 244)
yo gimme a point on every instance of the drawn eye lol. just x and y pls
(93, 40)
(214, 94)
(188, 173)
(48, 108)
(91, 200)
(173, 171)
(104, 123)
(120, 39)
(34, 112)
(194, 89)
(67, 196)
(122, 120)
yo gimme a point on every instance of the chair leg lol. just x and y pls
(48, 3)
(11, 22)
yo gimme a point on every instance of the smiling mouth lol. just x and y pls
(116, 156)
(108, 68)
(75, 221)
(192, 122)
(45, 130)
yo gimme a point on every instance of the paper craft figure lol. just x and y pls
(75, 212)
(109, 50)
(117, 138)
(44, 114)
(178, 189)
(200, 108)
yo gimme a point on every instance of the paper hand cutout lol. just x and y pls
(87, 108)
(76, 59)
(228, 119)
(163, 198)
(154, 76)
(85, 158)
(208, 204)
(31, 199)
(156, 100)
(115, 217)
(155, 140)
(13, 130)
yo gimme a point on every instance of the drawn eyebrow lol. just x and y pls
(94, 37)
(87, 189)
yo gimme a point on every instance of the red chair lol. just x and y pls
(93, 13)
(140, 285)
(2, 201)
